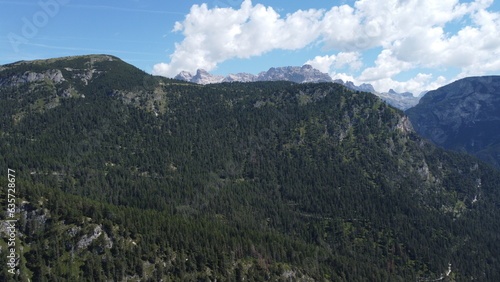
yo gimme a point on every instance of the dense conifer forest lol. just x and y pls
(126, 176)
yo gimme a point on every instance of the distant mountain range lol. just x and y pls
(304, 74)
(463, 116)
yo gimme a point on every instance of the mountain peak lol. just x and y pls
(184, 75)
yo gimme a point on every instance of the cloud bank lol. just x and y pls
(411, 34)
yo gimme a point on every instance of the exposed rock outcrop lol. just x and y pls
(55, 75)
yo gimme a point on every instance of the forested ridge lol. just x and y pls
(126, 176)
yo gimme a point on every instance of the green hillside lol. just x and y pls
(125, 176)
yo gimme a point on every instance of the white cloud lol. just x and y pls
(412, 34)
(335, 62)
(471, 47)
(342, 29)
(351, 59)
(322, 63)
(344, 77)
(421, 82)
(416, 36)
(215, 35)
(387, 66)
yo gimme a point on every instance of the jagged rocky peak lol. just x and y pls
(401, 101)
(350, 85)
(204, 77)
(241, 77)
(363, 87)
(303, 74)
(201, 77)
(184, 75)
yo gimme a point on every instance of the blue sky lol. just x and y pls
(407, 45)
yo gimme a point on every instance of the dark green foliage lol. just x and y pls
(254, 181)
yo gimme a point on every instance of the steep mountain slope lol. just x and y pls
(463, 116)
(127, 176)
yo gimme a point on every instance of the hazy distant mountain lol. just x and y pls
(240, 77)
(401, 101)
(184, 75)
(303, 74)
(463, 116)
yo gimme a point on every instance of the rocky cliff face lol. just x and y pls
(463, 116)
(30, 76)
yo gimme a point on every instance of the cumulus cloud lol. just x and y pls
(333, 62)
(420, 83)
(387, 66)
(411, 34)
(430, 46)
(215, 35)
